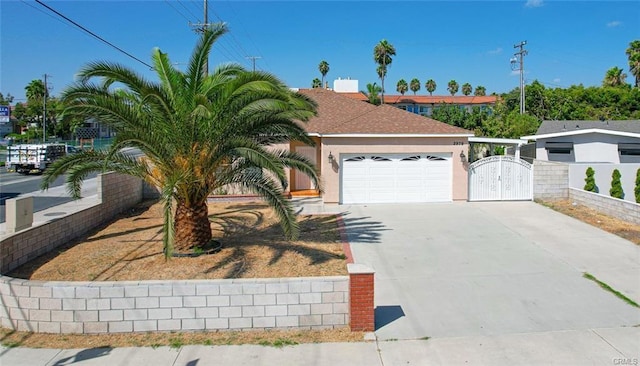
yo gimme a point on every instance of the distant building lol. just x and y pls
(419, 104)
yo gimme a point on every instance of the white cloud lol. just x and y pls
(614, 23)
(556, 80)
(496, 51)
(534, 3)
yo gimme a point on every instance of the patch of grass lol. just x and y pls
(278, 342)
(11, 344)
(608, 288)
(391, 340)
(425, 338)
(176, 342)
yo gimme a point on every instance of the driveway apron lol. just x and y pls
(465, 269)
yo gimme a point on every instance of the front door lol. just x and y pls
(302, 181)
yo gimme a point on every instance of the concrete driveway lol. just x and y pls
(483, 269)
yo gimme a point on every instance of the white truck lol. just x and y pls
(28, 158)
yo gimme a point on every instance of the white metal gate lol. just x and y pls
(500, 178)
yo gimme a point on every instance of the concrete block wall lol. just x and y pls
(116, 307)
(624, 210)
(550, 180)
(116, 193)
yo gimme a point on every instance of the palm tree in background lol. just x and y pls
(431, 86)
(402, 86)
(452, 87)
(480, 91)
(323, 67)
(197, 132)
(316, 83)
(373, 93)
(614, 77)
(382, 53)
(633, 53)
(35, 91)
(414, 85)
(466, 89)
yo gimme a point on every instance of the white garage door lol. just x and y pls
(388, 178)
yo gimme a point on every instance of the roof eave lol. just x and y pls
(581, 132)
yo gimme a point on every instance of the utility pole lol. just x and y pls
(519, 58)
(202, 28)
(253, 58)
(44, 110)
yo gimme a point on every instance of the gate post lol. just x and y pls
(361, 304)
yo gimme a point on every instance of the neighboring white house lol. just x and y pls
(588, 141)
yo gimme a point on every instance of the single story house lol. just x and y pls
(588, 141)
(381, 154)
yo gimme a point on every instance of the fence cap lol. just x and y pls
(357, 268)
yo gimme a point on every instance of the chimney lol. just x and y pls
(326, 85)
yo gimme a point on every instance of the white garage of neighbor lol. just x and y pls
(391, 178)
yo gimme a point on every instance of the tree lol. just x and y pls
(636, 190)
(323, 67)
(616, 186)
(614, 77)
(480, 91)
(450, 114)
(373, 93)
(633, 54)
(402, 86)
(590, 181)
(452, 87)
(6, 100)
(466, 89)
(382, 53)
(430, 85)
(414, 85)
(35, 91)
(197, 132)
(316, 83)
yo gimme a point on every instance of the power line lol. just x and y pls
(45, 13)
(177, 11)
(189, 11)
(93, 34)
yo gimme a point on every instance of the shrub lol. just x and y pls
(616, 187)
(637, 189)
(590, 181)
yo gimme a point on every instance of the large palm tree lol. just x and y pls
(480, 91)
(431, 86)
(452, 87)
(35, 91)
(614, 77)
(414, 85)
(466, 89)
(197, 133)
(382, 53)
(323, 67)
(316, 83)
(633, 53)
(402, 86)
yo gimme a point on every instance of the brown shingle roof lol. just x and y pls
(340, 114)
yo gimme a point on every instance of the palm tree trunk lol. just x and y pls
(192, 226)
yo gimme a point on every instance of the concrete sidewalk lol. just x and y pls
(610, 346)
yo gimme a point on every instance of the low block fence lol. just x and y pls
(143, 306)
(624, 210)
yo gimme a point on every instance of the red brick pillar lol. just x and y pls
(361, 307)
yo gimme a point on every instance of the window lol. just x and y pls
(435, 158)
(629, 149)
(559, 147)
(357, 158)
(379, 158)
(411, 158)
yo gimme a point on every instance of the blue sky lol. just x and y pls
(569, 42)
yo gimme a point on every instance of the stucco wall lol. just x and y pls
(577, 174)
(590, 147)
(343, 145)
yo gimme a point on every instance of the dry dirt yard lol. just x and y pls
(130, 248)
(610, 224)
